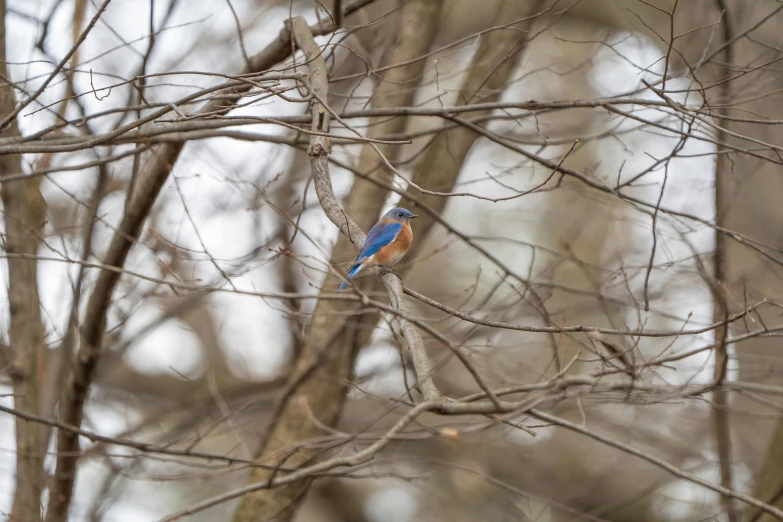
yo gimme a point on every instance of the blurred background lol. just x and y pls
(627, 178)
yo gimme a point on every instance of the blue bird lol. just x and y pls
(386, 243)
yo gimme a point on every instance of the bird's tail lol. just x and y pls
(351, 272)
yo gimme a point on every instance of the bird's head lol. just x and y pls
(400, 214)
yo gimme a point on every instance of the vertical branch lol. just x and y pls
(421, 362)
(79, 8)
(334, 337)
(339, 18)
(23, 213)
(721, 311)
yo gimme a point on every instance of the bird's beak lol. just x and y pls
(413, 216)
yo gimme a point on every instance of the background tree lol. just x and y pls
(587, 327)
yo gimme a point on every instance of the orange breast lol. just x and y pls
(392, 253)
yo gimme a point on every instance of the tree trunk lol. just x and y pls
(24, 214)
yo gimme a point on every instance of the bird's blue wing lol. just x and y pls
(381, 235)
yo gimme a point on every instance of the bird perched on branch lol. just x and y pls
(386, 243)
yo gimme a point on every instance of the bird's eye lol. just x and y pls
(400, 214)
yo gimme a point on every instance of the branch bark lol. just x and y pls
(720, 396)
(23, 214)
